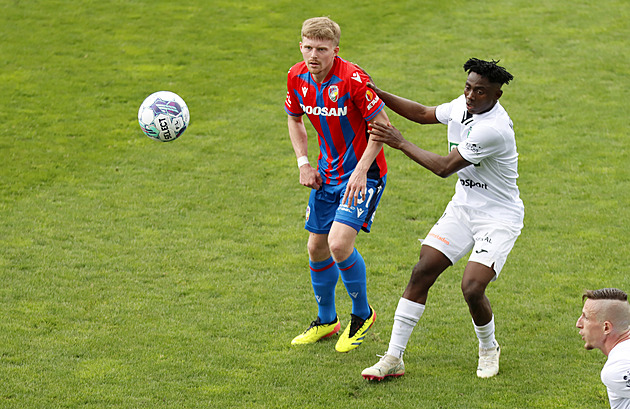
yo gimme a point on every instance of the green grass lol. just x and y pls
(136, 274)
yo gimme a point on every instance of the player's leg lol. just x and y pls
(412, 304)
(348, 222)
(474, 283)
(323, 269)
(324, 277)
(408, 312)
(354, 276)
(493, 242)
(351, 265)
(446, 243)
(431, 264)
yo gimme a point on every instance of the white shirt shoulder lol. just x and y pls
(616, 376)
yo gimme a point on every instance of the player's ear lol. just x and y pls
(336, 51)
(498, 93)
(608, 327)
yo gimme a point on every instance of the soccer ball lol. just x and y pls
(163, 116)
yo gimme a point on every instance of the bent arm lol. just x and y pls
(357, 184)
(373, 147)
(443, 166)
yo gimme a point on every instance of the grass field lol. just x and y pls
(138, 274)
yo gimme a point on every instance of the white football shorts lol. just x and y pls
(461, 230)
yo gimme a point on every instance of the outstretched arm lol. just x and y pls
(442, 166)
(411, 110)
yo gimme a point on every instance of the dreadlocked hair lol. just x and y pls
(489, 69)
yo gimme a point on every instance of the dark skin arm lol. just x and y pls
(442, 166)
(411, 110)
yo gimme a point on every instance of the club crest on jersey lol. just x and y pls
(333, 93)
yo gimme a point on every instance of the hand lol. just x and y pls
(373, 86)
(386, 134)
(356, 189)
(310, 177)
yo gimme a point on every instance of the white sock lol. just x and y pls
(407, 315)
(485, 334)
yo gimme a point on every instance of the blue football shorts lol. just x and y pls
(324, 207)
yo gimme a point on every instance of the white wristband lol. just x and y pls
(302, 160)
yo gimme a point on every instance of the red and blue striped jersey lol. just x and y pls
(339, 110)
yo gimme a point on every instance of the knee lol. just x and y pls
(417, 275)
(473, 291)
(339, 248)
(419, 284)
(317, 249)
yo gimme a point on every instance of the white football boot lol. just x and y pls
(488, 361)
(389, 365)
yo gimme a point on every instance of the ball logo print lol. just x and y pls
(163, 116)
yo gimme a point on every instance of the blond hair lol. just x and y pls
(321, 28)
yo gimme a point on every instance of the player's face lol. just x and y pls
(481, 94)
(591, 330)
(319, 56)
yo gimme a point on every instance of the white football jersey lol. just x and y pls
(487, 141)
(616, 376)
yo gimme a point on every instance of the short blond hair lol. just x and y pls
(321, 28)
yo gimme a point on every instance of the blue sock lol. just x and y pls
(354, 277)
(324, 277)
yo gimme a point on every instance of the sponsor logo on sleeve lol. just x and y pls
(473, 147)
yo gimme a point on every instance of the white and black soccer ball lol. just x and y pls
(163, 116)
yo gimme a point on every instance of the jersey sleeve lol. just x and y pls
(364, 98)
(291, 103)
(443, 112)
(482, 142)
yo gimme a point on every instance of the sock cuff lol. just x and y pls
(486, 326)
(408, 307)
(349, 262)
(317, 266)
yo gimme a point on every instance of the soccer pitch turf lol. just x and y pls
(174, 275)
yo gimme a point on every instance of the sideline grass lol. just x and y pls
(139, 274)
